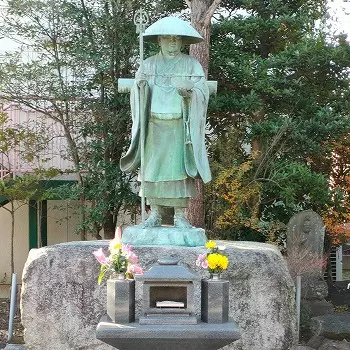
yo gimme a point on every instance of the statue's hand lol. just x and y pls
(184, 86)
(141, 83)
(184, 92)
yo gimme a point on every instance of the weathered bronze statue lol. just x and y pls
(175, 98)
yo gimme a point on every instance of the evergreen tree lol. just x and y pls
(283, 99)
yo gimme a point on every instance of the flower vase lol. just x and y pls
(118, 276)
(121, 299)
(215, 276)
(215, 300)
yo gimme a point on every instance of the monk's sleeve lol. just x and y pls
(132, 159)
(197, 117)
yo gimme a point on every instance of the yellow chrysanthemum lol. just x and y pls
(217, 261)
(224, 262)
(210, 245)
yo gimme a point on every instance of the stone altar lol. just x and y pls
(168, 319)
(61, 303)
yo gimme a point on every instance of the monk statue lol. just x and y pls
(174, 105)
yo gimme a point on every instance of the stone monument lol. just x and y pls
(58, 288)
(305, 240)
(306, 229)
(169, 99)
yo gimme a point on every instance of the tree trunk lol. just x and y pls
(195, 210)
(258, 116)
(83, 234)
(199, 10)
(201, 13)
(109, 227)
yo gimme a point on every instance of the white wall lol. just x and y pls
(21, 244)
(61, 223)
(62, 220)
(21, 241)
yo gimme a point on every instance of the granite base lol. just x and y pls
(202, 336)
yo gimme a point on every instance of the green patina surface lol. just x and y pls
(169, 100)
(164, 236)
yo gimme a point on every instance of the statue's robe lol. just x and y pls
(175, 150)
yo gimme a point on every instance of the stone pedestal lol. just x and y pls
(164, 236)
(59, 287)
(215, 301)
(121, 300)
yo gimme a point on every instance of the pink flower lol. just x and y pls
(127, 247)
(202, 256)
(135, 269)
(100, 256)
(116, 243)
(200, 259)
(118, 234)
(204, 264)
(131, 256)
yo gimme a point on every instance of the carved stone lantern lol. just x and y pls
(168, 294)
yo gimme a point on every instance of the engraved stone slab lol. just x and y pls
(164, 236)
(305, 240)
(306, 229)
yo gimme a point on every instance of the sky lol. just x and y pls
(339, 11)
(5, 44)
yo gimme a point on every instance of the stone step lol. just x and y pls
(334, 326)
(15, 347)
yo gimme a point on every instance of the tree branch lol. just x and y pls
(188, 3)
(8, 210)
(215, 4)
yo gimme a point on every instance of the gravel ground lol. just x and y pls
(4, 318)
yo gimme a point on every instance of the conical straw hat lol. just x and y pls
(172, 26)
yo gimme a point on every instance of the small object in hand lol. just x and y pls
(183, 84)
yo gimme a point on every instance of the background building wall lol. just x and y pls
(61, 224)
